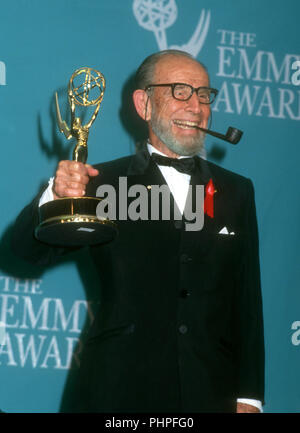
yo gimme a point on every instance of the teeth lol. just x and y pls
(186, 124)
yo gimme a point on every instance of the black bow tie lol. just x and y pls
(184, 165)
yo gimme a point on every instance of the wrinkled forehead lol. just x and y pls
(180, 69)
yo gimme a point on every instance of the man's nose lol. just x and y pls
(194, 104)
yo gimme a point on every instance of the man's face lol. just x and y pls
(171, 127)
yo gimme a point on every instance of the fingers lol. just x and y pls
(71, 179)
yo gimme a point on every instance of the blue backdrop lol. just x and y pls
(250, 49)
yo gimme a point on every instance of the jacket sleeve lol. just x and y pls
(249, 309)
(24, 243)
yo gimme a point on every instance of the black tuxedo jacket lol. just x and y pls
(180, 326)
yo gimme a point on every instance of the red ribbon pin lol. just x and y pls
(209, 199)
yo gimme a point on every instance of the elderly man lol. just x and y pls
(180, 323)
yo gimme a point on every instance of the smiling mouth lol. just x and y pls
(186, 124)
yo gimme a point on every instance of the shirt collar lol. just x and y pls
(141, 159)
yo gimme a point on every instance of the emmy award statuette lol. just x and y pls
(72, 221)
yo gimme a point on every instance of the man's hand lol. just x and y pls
(246, 408)
(71, 179)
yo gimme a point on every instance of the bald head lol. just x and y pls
(146, 73)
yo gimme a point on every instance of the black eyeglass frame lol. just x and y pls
(193, 89)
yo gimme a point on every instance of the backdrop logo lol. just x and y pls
(2, 74)
(158, 15)
(36, 331)
(2, 334)
(256, 82)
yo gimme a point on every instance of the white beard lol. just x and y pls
(186, 146)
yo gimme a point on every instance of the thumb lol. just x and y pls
(91, 170)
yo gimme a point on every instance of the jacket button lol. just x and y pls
(184, 293)
(184, 258)
(183, 329)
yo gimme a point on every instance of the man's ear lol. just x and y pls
(140, 100)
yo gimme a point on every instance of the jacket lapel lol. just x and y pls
(144, 171)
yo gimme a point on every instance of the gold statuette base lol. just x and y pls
(73, 222)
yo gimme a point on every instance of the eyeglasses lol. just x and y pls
(183, 92)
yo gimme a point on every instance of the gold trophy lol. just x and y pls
(72, 221)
